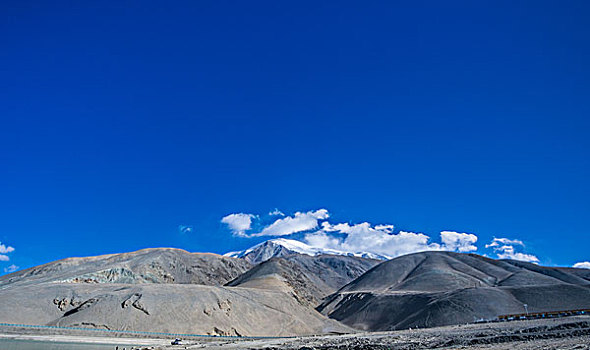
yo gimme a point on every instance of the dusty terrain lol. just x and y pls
(172, 308)
(563, 333)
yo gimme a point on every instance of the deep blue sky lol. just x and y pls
(121, 121)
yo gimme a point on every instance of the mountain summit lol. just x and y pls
(282, 247)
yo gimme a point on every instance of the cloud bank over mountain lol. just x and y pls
(582, 265)
(315, 229)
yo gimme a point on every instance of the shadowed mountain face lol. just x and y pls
(308, 278)
(158, 265)
(441, 288)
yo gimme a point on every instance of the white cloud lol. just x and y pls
(286, 225)
(582, 265)
(5, 249)
(10, 269)
(364, 237)
(276, 212)
(381, 240)
(496, 242)
(353, 238)
(239, 223)
(185, 229)
(506, 249)
(323, 240)
(460, 242)
(300, 222)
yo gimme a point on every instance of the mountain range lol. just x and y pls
(282, 287)
(282, 247)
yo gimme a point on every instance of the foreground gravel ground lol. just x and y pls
(564, 333)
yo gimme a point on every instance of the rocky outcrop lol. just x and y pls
(134, 300)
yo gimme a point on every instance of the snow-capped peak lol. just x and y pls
(282, 247)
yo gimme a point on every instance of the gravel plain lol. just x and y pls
(563, 333)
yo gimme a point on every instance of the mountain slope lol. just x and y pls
(156, 265)
(440, 288)
(172, 308)
(308, 278)
(161, 290)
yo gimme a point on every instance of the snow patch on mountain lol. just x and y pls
(283, 247)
